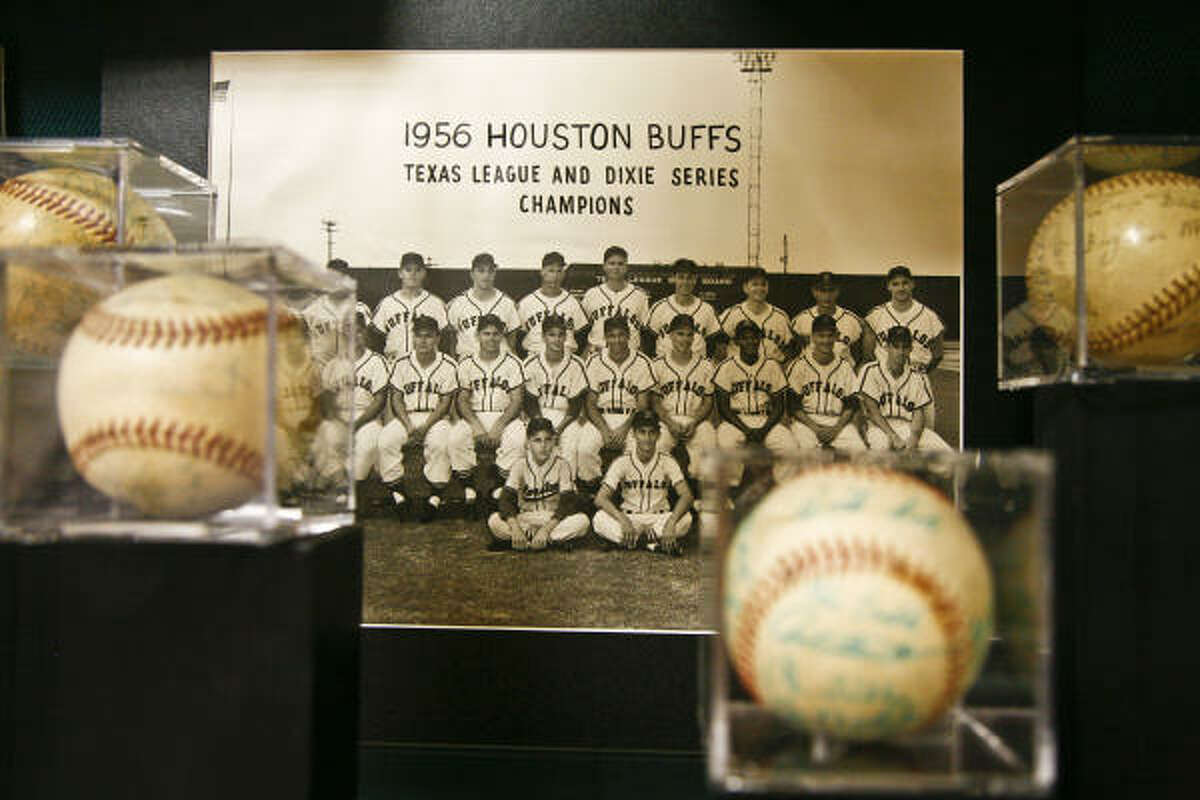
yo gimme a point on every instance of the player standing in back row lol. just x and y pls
(550, 298)
(465, 310)
(686, 275)
(394, 315)
(849, 330)
(923, 323)
(615, 297)
(771, 321)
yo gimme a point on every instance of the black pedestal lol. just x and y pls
(180, 670)
(1128, 574)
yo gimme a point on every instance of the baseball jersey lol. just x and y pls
(849, 329)
(703, 317)
(323, 323)
(539, 486)
(490, 382)
(775, 325)
(617, 386)
(600, 303)
(643, 485)
(422, 388)
(920, 319)
(463, 315)
(750, 386)
(536, 306)
(554, 386)
(394, 315)
(898, 397)
(684, 388)
(822, 388)
(368, 377)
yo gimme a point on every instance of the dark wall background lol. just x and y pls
(1035, 73)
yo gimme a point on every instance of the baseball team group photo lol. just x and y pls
(583, 417)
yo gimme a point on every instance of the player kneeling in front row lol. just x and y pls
(897, 401)
(642, 479)
(822, 386)
(538, 505)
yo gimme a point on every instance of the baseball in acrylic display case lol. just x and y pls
(179, 394)
(884, 623)
(1098, 251)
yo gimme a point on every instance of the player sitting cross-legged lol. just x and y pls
(538, 506)
(750, 398)
(422, 386)
(491, 394)
(642, 479)
(898, 401)
(821, 388)
(682, 396)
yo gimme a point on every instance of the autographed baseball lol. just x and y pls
(162, 394)
(857, 602)
(1142, 265)
(68, 207)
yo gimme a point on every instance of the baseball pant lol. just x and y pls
(462, 443)
(331, 449)
(878, 440)
(779, 441)
(704, 437)
(847, 439)
(437, 449)
(589, 463)
(573, 527)
(607, 527)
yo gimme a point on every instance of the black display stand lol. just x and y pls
(180, 669)
(1127, 564)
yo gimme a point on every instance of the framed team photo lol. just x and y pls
(583, 272)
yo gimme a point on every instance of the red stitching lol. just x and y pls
(172, 436)
(98, 224)
(827, 558)
(108, 327)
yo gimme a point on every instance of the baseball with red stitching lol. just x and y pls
(162, 394)
(1141, 251)
(857, 602)
(68, 207)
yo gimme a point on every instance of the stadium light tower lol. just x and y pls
(330, 226)
(755, 65)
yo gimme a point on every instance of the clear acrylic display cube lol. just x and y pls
(1098, 256)
(183, 200)
(997, 739)
(296, 323)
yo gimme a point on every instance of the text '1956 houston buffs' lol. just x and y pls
(857, 602)
(163, 394)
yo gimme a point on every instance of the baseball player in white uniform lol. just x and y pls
(394, 315)
(848, 342)
(615, 297)
(465, 310)
(683, 394)
(771, 320)
(550, 298)
(821, 387)
(323, 325)
(897, 400)
(538, 505)
(1036, 341)
(750, 397)
(491, 394)
(903, 309)
(642, 479)
(619, 381)
(686, 275)
(556, 387)
(423, 385)
(352, 391)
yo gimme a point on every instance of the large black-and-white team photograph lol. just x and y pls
(582, 276)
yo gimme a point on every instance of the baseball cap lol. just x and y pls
(412, 259)
(747, 326)
(899, 271)
(825, 280)
(644, 418)
(824, 322)
(681, 321)
(421, 322)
